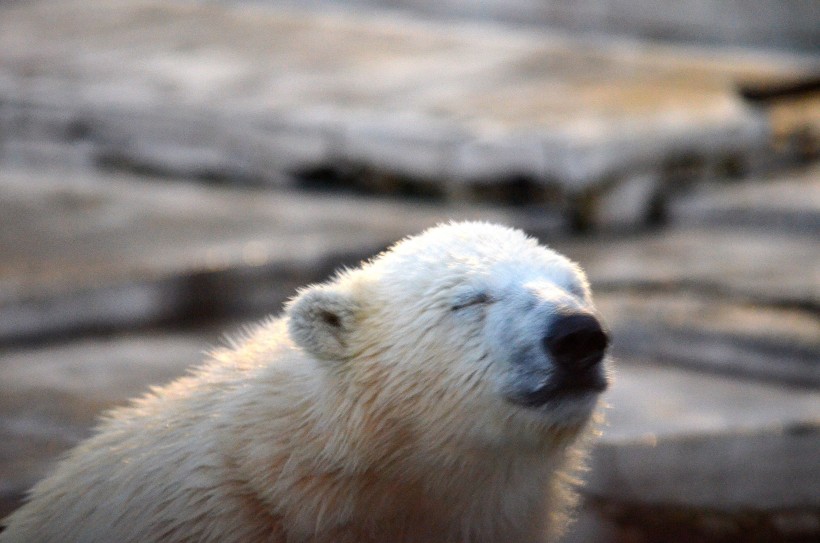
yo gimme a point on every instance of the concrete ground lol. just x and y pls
(171, 170)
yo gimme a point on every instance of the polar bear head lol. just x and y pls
(467, 331)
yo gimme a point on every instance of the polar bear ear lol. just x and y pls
(321, 319)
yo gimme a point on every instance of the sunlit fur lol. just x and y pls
(371, 411)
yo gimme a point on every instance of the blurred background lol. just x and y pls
(170, 169)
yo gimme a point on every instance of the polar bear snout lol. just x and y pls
(568, 365)
(576, 342)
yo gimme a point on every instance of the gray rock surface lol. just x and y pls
(91, 251)
(761, 23)
(789, 204)
(260, 92)
(716, 334)
(707, 441)
(51, 396)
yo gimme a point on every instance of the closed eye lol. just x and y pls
(476, 299)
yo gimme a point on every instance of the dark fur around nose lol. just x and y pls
(576, 342)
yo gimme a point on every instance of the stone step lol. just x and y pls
(788, 202)
(760, 23)
(674, 438)
(88, 251)
(248, 92)
(657, 411)
(715, 334)
(688, 456)
(768, 267)
(52, 396)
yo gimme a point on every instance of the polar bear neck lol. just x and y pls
(375, 475)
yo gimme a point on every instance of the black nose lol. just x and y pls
(576, 342)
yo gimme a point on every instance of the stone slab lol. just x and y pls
(769, 266)
(731, 285)
(760, 23)
(52, 395)
(715, 334)
(702, 440)
(221, 89)
(788, 202)
(96, 251)
(650, 402)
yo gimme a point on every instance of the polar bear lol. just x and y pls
(437, 393)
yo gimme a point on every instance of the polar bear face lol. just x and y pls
(468, 330)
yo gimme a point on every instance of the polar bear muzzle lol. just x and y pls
(576, 344)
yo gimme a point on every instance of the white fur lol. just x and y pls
(371, 411)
